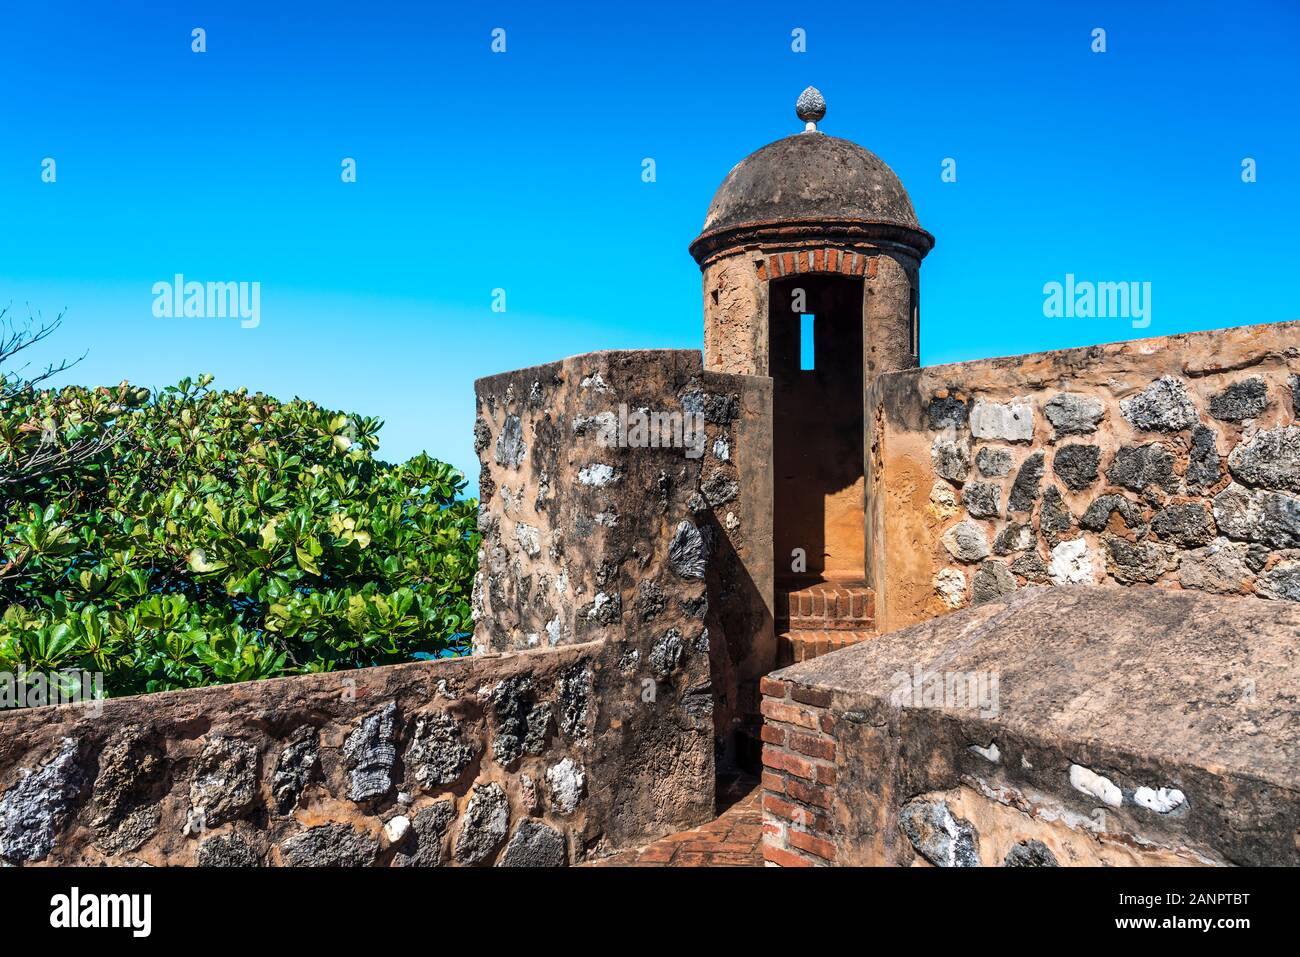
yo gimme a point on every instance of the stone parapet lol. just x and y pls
(1071, 725)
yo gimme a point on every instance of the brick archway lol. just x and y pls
(845, 262)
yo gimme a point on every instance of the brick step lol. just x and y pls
(795, 646)
(825, 606)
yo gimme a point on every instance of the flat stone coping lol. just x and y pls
(1200, 679)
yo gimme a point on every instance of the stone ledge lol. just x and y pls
(1204, 352)
(1140, 726)
(1155, 671)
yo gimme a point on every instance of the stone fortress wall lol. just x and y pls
(661, 552)
(466, 761)
(623, 624)
(614, 655)
(1172, 462)
(1021, 706)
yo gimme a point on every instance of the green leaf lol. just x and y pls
(306, 561)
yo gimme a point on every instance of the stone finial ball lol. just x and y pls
(810, 107)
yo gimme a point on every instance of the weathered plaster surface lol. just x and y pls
(735, 316)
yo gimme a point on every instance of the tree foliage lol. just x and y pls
(215, 536)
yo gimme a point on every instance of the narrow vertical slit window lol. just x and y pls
(914, 326)
(807, 344)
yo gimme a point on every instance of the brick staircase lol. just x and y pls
(814, 617)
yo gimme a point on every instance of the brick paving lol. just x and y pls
(733, 839)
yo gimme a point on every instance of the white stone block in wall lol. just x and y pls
(1009, 421)
(1071, 564)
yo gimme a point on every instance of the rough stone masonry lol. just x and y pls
(392, 766)
(659, 552)
(1172, 462)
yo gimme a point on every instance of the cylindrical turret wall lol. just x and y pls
(736, 308)
(810, 254)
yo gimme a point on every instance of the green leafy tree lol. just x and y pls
(194, 537)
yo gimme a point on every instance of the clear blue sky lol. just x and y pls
(523, 171)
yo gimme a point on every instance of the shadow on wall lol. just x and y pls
(739, 611)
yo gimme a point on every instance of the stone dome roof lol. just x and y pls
(810, 177)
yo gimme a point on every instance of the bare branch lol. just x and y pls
(49, 459)
(16, 336)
